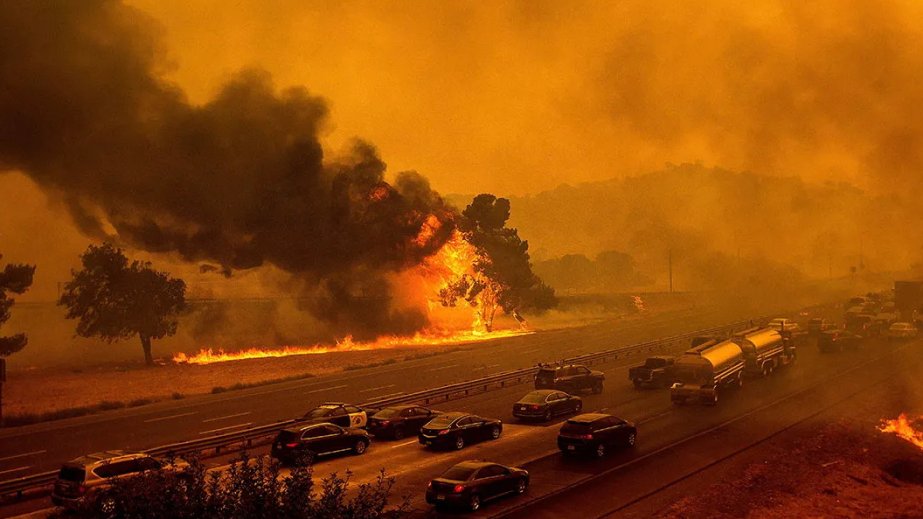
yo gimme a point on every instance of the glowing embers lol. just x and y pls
(209, 356)
(903, 427)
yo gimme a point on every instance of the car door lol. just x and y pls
(489, 482)
(329, 438)
(357, 417)
(554, 402)
(467, 429)
(339, 416)
(583, 377)
(414, 418)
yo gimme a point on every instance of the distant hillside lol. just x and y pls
(718, 224)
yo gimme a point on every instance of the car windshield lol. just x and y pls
(459, 473)
(319, 412)
(75, 474)
(388, 412)
(443, 420)
(533, 398)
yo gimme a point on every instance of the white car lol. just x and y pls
(902, 331)
(783, 325)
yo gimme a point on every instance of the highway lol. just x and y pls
(41, 447)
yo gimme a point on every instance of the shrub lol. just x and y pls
(249, 488)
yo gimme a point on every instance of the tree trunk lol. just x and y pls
(146, 346)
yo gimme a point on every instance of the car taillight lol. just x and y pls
(81, 489)
(291, 445)
(584, 436)
(458, 489)
(444, 431)
(534, 407)
(384, 422)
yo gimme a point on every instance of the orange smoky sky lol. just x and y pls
(516, 97)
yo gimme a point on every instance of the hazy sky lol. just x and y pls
(518, 97)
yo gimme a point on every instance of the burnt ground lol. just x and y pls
(836, 465)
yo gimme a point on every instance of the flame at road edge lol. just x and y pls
(903, 428)
(210, 356)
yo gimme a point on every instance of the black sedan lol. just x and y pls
(545, 404)
(471, 483)
(303, 444)
(594, 433)
(457, 429)
(399, 421)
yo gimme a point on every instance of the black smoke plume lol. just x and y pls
(240, 181)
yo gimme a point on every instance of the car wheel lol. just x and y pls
(600, 450)
(522, 485)
(360, 446)
(494, 432)
(399, 433)
(631, 439)
(459, 442)
(547, 416)
(474, 503)
(578, 407)
(638, 384)
(597, 388)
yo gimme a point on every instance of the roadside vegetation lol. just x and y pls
(250, 488)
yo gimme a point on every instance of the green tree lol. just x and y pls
(503, 276)
(16, 279)
(114, 299)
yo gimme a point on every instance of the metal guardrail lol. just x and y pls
(246, 437)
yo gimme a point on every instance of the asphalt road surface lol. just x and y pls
(41, 447)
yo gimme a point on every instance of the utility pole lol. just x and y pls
(670, 266)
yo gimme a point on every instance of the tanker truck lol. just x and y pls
(705, 368)
(765, 349)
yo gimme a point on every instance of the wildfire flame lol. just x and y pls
(210, 356)
(903, 427)
(453, 260)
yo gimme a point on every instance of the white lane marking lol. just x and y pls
(387, 396)
(493, 366)
(404, 444)
(238, 426)
(533, 350)
(17, 469)
(379, 388)
(443, 367)
(321, 390)
(226, 417)
(150, 420)
(22, 455)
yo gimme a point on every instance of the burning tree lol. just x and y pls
(501, 276)
(16, 279)
(116, 300)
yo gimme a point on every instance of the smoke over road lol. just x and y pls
(239, 181)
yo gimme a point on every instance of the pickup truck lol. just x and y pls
(571, 378)
(655, 372)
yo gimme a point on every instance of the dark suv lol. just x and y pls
(594, 433)
(571, 378)
(303, 444)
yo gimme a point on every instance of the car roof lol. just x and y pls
(454, 415)
(544, 392)
(588, 417)
(399, 407)
(474, 464)
(105, 456)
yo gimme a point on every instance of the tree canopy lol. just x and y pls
(15, 279)
(115, 299)
(503, 276)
